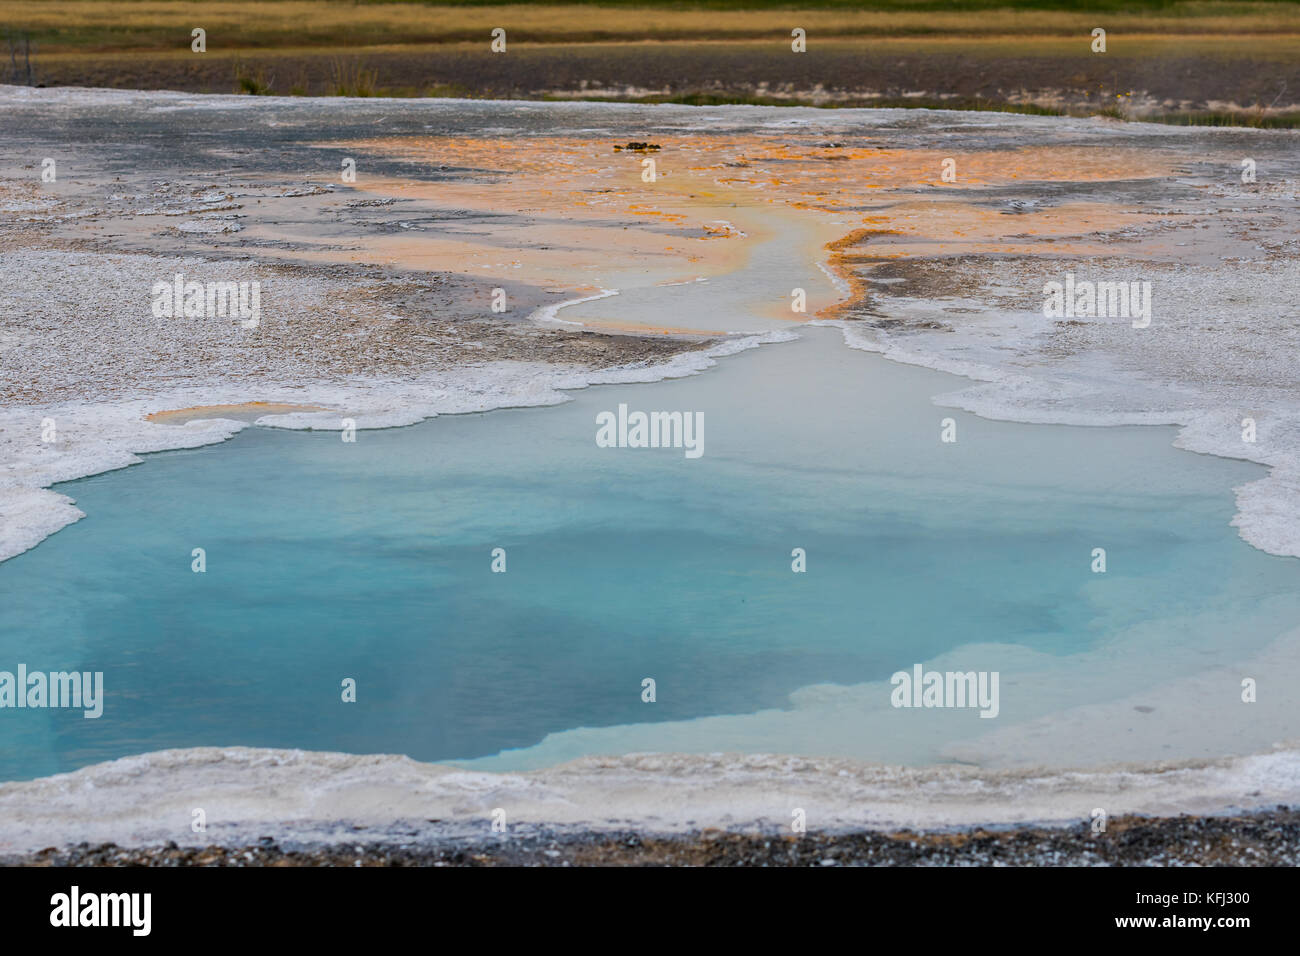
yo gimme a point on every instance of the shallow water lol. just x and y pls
(371, 560)
(756, 298)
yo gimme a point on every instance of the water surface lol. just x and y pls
(372, 560)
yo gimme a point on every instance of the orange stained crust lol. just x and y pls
(178, 416)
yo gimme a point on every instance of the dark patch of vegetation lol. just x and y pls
(21, 74)
(353, 78)
(744, 99)
(1253, 120)
(252, 81)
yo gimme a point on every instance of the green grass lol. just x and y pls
(715, 99)
(1222, 118)
(353, 78)
(252, 81)
(1250, 120)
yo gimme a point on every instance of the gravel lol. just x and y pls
(1268, 838)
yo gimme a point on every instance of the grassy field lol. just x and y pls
(1182, 61)
(131, 25)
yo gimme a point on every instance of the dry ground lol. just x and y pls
(1208, 62)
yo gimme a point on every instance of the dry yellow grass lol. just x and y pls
(1282, 46)
(158, 24)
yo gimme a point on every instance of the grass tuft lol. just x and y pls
(351, 77)
(254, 82)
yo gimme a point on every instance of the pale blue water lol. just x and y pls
(371, 560)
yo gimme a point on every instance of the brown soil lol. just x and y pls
(841, 74)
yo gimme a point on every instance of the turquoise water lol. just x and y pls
(328, 560)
